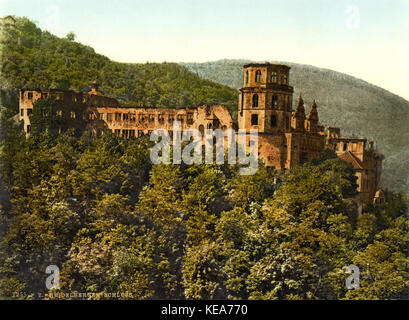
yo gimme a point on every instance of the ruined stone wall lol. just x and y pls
(138, 121)
(286, 138)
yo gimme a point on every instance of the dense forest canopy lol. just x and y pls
(113, 222)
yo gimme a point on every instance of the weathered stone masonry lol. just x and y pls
(286, 137)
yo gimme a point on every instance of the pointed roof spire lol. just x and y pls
(300, 100)
(299, 110)
(313, 115)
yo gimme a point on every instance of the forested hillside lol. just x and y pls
(359, 108)
(32, 58)
(114, 223)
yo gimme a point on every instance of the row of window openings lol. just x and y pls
(29, 112)
(254, 120)
(141, 117)
(344, 147)
(274, 101)
(45, 95)
(273, 77)
(130, 133)
(120, 116)
(273, 121)
(59, 113)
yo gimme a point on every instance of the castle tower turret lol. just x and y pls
(265, 101)
(312, 118)
(298, 117)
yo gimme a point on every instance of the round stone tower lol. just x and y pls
(265, 101)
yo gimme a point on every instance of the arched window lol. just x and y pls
(273, 121)
(255, 101)
(201, 129)
(274, 101)
(258, 76)
(274, 77)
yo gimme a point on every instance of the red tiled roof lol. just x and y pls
(351, 158)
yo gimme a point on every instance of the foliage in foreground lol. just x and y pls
(113, 223)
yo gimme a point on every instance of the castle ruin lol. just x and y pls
(286, 137)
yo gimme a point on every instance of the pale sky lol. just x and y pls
(368, 39)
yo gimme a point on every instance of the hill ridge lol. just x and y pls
(32, 56)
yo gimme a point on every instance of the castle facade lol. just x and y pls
(286, 137)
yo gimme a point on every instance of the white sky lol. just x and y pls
(364, 38)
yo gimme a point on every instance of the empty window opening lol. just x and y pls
(273, 121)
(274, 101)
(258, 76)
(274, 77)
(254, 119)
(255, 101)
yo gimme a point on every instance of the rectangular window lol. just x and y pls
(161, 118)
(30, 96)
(131, 133)
(126, 116)
(29, 112)
(189, 118)
(125, 133)
(28, 130)
(254, 119)
(171, 118)
(274, 101)
(303, 157)
(117, 117)
(118, 132)
(140, 133)
(273, 121)
(180, 117)
(132, 117)
(100, 116)
(109, 116)
(141, 117)
(151, 118)
(22, 112)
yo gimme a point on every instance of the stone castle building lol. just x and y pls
(286, 137)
